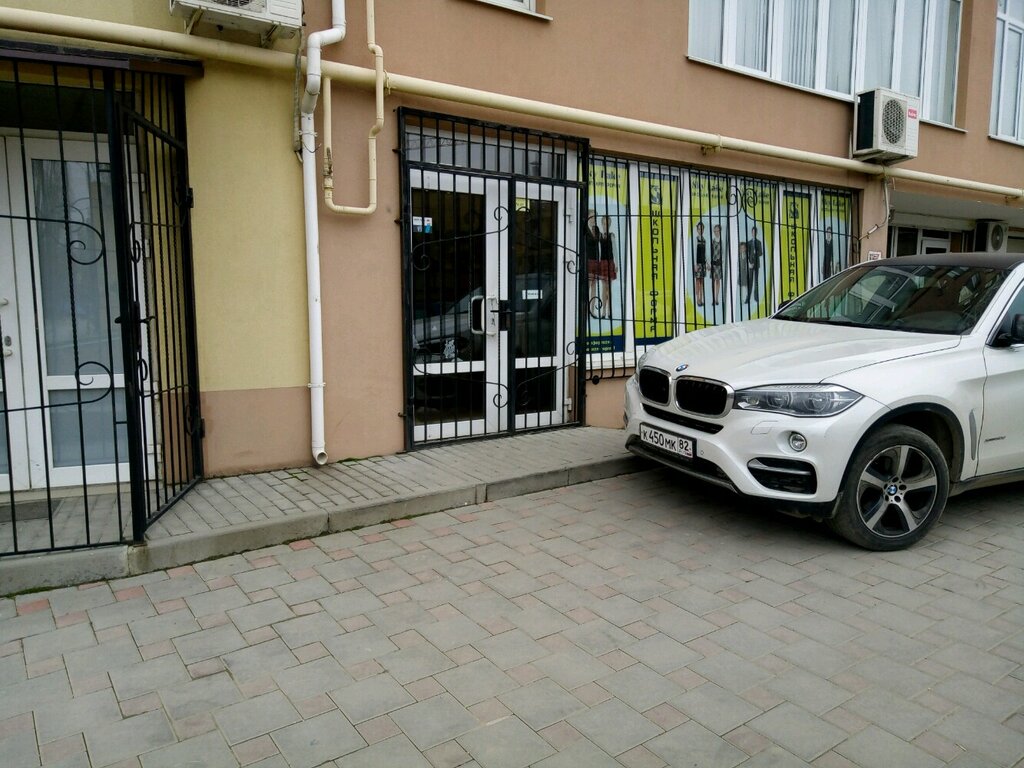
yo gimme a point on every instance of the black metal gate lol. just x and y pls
(98, 382)
(491, 225)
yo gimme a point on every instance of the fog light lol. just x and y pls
(797, 441)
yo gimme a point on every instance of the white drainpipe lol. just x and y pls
(310, 200)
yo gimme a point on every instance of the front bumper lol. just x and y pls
(749, 451)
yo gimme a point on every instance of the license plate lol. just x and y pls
(677, 444)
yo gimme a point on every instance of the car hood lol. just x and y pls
(758, 352)
(439, 327)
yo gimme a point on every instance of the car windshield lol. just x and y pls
(905, 297)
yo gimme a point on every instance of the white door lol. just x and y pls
(543, 300)
(492, 297)
(13, 450)
(458, 259)
(62, 346)
(1002, 429)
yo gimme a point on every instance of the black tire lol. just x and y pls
(894, 491)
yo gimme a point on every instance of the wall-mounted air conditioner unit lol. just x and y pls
(990, 236)
(885, 126)
(269, 17)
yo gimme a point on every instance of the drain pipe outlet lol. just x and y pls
(310, 201)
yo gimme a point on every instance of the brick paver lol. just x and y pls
(640, 620)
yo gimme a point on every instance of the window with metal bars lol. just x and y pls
(671, 249)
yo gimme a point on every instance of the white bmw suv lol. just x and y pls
(866, 402)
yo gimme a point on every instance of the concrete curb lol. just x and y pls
(60, 569)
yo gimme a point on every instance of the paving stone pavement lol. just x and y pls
(638, 621)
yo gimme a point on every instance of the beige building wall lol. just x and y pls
(625, 59)
(248, 248)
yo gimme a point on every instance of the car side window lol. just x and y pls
(1016, 308)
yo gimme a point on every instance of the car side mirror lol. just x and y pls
(1014, 336)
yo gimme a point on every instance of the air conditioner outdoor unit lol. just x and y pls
(269, 17)
(885, 126)
(990, 236)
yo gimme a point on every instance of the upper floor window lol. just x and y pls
(838, 46)
(1008, 72)
(530, 6)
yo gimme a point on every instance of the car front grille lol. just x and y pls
(654, 385)
(685, 421)
(708, 398)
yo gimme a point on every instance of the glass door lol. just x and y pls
(458, 258)
(543, 302)
(63, 355)
(13, 451)
(492, 288)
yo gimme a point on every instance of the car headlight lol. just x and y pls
(797, 399)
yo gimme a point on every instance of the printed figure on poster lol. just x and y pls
(605, 240)
(834, 233)
(705, 260)
(755, 224)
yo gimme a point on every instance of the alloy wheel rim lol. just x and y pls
(896, 491)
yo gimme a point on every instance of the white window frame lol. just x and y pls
(998, 71)
(528, 7)
(775, 50)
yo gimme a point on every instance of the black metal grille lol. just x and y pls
(699, 396)
(491, 227)
(98, 396)
(654, 385)
(683, 421)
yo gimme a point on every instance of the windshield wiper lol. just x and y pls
(821, 321)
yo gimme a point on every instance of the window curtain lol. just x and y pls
(878, 46)
(800, 34)
(706, 29)
(944, 49)
(839, 64)
(913, 47)
(1009, 123)
(752, 34)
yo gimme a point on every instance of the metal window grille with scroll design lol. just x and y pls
(491, 230)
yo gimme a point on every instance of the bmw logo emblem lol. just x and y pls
(681, 367)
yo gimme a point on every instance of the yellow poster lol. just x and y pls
(605, 236)
(795, 232)
(834, 233)
(707, 262)
(655, 283)
(754, 249)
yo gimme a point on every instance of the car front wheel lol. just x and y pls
(895, 489)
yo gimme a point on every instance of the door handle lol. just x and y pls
(476, 315)
(485, 315)
(8, 346)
